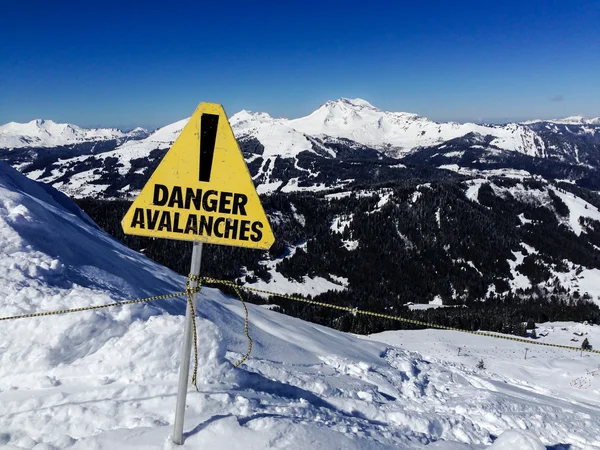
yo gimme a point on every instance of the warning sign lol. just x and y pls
(202, 190)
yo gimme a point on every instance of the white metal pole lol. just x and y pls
(184, 368)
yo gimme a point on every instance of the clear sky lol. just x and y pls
(129, 63)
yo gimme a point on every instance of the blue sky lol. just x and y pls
(132, 63)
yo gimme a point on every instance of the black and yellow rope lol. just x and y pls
(90, 308)
(191, 290)
(395, 318)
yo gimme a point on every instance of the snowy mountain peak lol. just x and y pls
(138, 133)
(358, 120)
(357, 103)
(246, 118)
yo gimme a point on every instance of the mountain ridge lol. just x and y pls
(348, 107)
(41, 133)
(299, 154)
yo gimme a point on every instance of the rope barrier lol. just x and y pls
(395, 318)
(90, 308)
(190, 291)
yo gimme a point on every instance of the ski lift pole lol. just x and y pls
(184, 368)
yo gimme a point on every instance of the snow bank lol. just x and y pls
(517, 439)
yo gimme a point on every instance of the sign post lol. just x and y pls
(186, 348)
(202, 191)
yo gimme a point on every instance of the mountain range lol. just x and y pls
(46, 133)
(406, 209)
(293, 155)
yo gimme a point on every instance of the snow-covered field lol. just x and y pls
(548, 391)
(107, 379)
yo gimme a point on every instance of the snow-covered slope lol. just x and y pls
(276, 136)
(46, 133)
(107, 379)
(162, 138)
(561, 384)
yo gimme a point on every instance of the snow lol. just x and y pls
(580, 279)
(358, 120)
(507, 173)
(107, 379)
(350, 244)
(340, 223)
(277, 138)
(265, 188)
(517, 439)
(588, 282)
(529, 248)
(394, 133)
(299, 217)
(454, 154)
(578, 208)
(46, 133)
(82, 184)
(340, 280)
(292, 186)
(518, 281)
(437, 301)
(338, 195)
(472, 192)
(385, 198)
(282, 285)
(535, 398)
(424, 306)
(524, 220)
(308, 286)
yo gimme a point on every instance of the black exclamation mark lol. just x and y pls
(208, 137)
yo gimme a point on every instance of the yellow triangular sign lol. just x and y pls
(202, 190)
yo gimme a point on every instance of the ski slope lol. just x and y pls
(107, 379)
